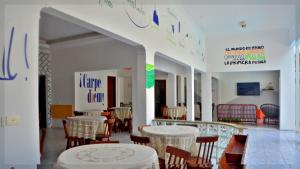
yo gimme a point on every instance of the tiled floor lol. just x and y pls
(268, 148)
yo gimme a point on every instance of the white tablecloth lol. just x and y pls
(108, 156)
(183, 137)
(86, 126)
(122, 112)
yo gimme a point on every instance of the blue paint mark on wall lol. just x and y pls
(6, 67)
(155, 18)
(25, 51)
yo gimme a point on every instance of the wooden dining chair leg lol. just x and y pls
(161, 163)
(130, 125)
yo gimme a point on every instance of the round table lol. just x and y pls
(108, 156)
(86, 126)
(183, 137)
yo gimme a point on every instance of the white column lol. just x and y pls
(138, 91)
(21, 92)
(206, 89)
(171, 90)
(178, 89)
(190, 94)
(181, 89)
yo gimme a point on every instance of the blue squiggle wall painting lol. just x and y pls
(6, 65)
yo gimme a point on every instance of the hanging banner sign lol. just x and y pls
(245, 55)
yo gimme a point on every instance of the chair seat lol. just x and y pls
(192, 163)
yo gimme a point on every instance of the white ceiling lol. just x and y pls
(53, 28)
(224, 19)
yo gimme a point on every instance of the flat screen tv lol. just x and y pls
(248, 89)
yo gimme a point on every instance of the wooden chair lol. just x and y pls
(165, 112)
(71, 141)
(128, 124)
(272, 113)
(104, 142)
(203, 161)
(144, 141)
(119, 125)
(178, 158)
(108, 130)
(139, 139)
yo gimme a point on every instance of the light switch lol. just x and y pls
(12, 120)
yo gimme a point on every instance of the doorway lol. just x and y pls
(42, 102)
(111, 91)
(160, 97)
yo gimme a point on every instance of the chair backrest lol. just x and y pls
(106, 114)
(164, 110)
(139, 139)
(109, 127)
(177, 158)
(207, 143)
(271, 110)
(104, 142)
(65, 128)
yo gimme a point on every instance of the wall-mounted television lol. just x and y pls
(248, 89)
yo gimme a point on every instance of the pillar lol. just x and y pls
(190, 94)
(206, 89)
(180, 89)
(143, 81)
(171, 90)
(20, 91)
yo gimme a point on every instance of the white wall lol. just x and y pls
(2, 87)
(170, 86)
(229, 89)
(89, 57)
(279, 55)
(276, 45)
(124, 90)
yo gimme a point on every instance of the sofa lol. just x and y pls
(237, 112)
